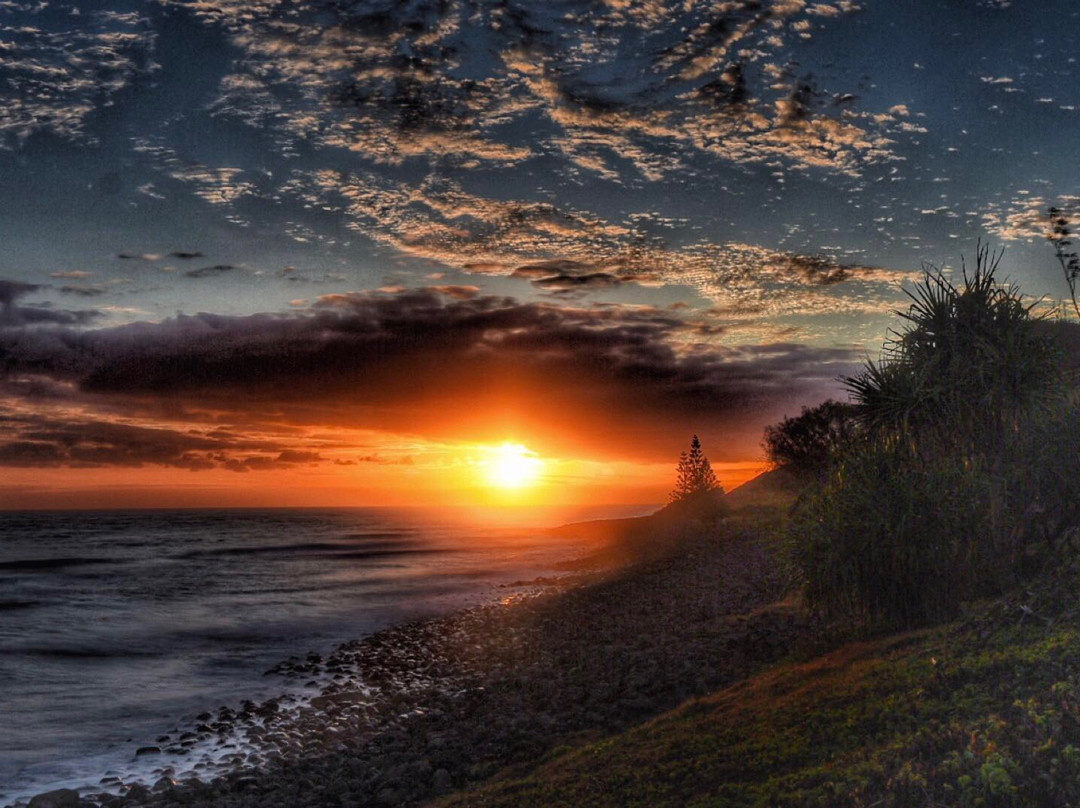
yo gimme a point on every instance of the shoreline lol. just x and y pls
(422, 709)
(380, 670)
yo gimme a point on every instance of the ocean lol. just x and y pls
(119, 626)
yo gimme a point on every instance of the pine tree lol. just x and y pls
(694, 474)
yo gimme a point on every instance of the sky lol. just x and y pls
(262, 252)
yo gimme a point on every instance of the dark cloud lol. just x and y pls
(82, 291)
(12, 315)
(423, 362)
(380, 460)
(45, 442)
(566, 276)
(28, 454)
(10, 291)
(296, 456)
(589, 280)
(820, 270)
(210, 272)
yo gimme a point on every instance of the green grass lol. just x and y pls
(982, 712)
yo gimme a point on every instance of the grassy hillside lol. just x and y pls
(981, 712)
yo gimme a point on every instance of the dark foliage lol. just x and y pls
(694, 473)
(966, 477)
(1061, 236)
(891, 543)
(967, 361)
(808, 443)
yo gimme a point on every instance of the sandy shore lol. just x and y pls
(423, 709)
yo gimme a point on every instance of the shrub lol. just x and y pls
(967, 474)
(809, 442)
(889, 543)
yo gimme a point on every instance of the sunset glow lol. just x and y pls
(514, 466)
(586, 246)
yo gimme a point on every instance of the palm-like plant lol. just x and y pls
(966, 363)
(951, 491)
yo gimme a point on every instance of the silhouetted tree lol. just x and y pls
(1060, 235)
(808, 442)
(693, 474)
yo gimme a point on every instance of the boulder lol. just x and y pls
(137, 793)
(61, 798)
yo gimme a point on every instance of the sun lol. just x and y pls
(514, 466)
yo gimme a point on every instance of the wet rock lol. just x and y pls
(61, 798)
(164, 784)
(147, 750)
(137, 793)
(244, 783)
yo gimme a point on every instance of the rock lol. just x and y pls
(244, 783)
(441, 782)
(164, 784)
(148, 750)
(61, 798)
(137, 793)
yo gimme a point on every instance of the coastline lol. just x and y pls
(419, 710)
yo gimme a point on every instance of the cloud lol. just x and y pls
(82, 291)
(36, 440)
(567, 251)
(130, 256)
(59, 66)
(458, 292)
(644, 88)
(211, 271)
(15, 316)
(429, 364)
(10, 291)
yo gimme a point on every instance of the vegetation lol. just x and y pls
(985, 712)
(694, 474)
(936, 501)
(966, 363)
(954, 474)
(808, 444)
(1061, 236)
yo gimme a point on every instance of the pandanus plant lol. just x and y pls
(965, 366)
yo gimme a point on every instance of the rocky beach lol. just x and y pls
(421, 710)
